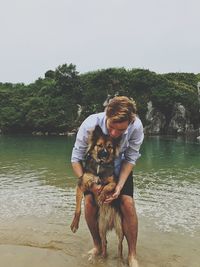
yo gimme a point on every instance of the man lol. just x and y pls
(119, 121)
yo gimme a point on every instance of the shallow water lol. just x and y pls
(37, 199)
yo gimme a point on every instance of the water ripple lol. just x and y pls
(171, 198)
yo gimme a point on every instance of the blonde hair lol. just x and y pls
(120, 109)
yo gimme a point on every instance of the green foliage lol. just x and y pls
(98, 85)
(49, 74)
(50, 104)
(187, 78)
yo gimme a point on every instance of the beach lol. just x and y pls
(46, 242)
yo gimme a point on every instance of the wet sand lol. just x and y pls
(24, 256)
(48, 242)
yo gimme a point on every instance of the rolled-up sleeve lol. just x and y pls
(132, 153)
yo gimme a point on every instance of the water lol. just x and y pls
(168, 184)
(37, 195)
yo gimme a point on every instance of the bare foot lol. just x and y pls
(132, 262)
(93, 253)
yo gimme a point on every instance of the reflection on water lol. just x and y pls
(36, 180)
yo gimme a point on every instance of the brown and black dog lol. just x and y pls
(99, 169)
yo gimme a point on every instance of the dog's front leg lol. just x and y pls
(105, 191)
(75, 223)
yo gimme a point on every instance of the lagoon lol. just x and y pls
(37, 196)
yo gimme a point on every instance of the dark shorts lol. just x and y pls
(128, 188)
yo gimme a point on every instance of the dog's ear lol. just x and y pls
(97, 133)
(93, 137)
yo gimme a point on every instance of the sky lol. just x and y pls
(39, 35)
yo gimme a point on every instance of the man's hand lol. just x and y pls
(115, 195)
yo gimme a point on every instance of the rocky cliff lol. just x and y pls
(178, 124)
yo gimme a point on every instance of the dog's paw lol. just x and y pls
(75, 223)
(74, 228)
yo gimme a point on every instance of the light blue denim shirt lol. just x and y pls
(130, 142)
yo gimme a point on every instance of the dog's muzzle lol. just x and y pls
(103, 154)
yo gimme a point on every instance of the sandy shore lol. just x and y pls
(32, 242)
(24, 256)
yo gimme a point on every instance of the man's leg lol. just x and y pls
(130, 227)
(91, 212)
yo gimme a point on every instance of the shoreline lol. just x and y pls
(183, 137)
(47, 242)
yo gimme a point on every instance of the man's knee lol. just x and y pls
(127, 205)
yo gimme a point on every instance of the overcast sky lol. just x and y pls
(38, 35)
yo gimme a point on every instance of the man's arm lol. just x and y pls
(126, 168)
(78, 168)
(131, 155)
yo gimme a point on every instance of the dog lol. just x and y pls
(99, 169)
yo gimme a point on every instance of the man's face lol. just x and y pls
(116, 129)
